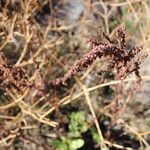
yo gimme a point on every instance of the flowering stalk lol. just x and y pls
(121, 63)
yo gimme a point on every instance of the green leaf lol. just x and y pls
(73, 126)
(74, 134)
(78, 116)
(84, 127)
(95, 135)
(59, 145)
(78, 122)
(76, 144)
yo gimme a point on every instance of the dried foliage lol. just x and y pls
(122, 62)
(36, 38)
(12, 75)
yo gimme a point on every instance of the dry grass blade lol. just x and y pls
(86, 93)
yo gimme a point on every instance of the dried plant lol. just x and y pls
(16, 76)
(12, 75)
(32, 29)
(121, 61)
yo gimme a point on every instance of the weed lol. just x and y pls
(46, 64)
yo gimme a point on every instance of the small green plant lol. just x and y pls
(73, 140)
(68, 143)
(77, 124)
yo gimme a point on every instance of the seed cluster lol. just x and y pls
(12, 75)
(122, 62)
